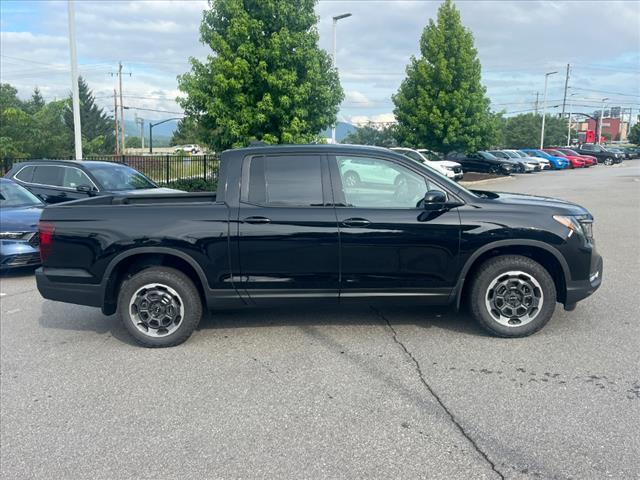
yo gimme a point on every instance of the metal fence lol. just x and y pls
(161, 169)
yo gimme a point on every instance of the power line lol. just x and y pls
(605, 91)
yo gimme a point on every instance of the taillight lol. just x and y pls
(46, 231)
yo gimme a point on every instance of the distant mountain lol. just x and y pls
(131, 128)
(165, 130)
(342, 130)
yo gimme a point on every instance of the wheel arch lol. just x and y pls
(133, 261)
(550, 258)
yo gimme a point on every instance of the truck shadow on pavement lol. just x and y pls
(78, 318)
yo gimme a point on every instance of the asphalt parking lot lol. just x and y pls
(351, 392)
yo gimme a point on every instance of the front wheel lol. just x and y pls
(608, 161)
(159, 307)
(512, 296)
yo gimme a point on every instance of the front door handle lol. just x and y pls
(355, 222)
(257, 220)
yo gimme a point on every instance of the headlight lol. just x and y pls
(14, 235)
(581, 224)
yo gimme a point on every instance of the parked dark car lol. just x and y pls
(56, 181)
(285, 225)
(19, 214)
(598, 151)
(485, 162)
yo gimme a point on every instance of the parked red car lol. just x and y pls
(588, 159)
(574, 161)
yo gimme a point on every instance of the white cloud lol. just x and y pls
(517, 42)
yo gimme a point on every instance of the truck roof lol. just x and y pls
(319, 148)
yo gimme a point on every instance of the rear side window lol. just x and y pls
(25, 174)
(48, 175)
(290, 180)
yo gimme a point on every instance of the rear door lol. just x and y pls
(56, 183)
(288, 233)
(390, 245)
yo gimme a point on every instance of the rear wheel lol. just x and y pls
(159, 307)
(512, 296)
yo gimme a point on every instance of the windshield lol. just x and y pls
(521, 154)
(498, 153)
(116, 177)
(487, 156)
(412, 154)
(13, 195)
(430, 155)
(556, 153)
(570, 152)
(511, 154)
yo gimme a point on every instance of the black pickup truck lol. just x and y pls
(318, 223)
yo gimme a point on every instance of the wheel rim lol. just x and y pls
(514, 299)
(156, 310)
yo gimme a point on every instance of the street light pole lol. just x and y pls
(601, 119)
(77, 130)
(335, 64)
(544, 107)
(569, 121)
(151, 125)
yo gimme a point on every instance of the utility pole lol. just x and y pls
(115, 111)
(77, 128)
(601, 121)
(537, 95)
(335, 23)
(140, 122)
(566, 86)
(122, 137)
(569, 120)
(544, 107)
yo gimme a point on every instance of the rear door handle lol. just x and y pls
(355, 222)
(257, 220)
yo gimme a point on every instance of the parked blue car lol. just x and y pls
(19, 215)
(557, 163)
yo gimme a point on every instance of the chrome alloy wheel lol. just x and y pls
(514, 298)
(156, 310)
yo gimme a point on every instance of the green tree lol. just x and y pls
(523, 131)
(441, 104)
(634, 134)
(133, 142)
(51, 137)
(267, 78)
(370, 134)
(35, 103)
(188, 131)
(97, 128)
(9, 97)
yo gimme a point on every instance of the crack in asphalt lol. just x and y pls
(423, 380)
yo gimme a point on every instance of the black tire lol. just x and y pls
(179, 287)
(608, 161)
(496, 268)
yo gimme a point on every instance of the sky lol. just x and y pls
(517, 42)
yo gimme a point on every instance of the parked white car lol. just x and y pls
(193, 149)
(452, 170)
(544, 163)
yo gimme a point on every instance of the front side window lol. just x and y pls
(589, 148)
(285, 181)
(116, 177)
(377, 183)
(74, 178)
(50, 175)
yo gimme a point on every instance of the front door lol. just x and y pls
(288, 233)
(390, 245)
